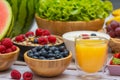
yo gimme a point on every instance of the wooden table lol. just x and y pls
(69, 74)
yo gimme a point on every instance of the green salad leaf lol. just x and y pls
(74, 10)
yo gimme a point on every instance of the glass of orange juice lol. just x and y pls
(91, 54)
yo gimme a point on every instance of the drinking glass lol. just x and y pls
(90, 55)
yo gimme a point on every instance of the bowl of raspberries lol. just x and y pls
(32, 39)
(8, 53)
(114, 65)
(48, 61)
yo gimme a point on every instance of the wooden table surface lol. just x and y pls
(69, 74)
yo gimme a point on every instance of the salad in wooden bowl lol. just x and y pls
(71, 15)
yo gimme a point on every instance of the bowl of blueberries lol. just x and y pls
(69, 38)
(48, 61)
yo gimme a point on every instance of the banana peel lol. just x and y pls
(117, 18)
(116, 12)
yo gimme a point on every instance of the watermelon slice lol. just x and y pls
(5, 17)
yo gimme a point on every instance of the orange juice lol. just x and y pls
(91, 54)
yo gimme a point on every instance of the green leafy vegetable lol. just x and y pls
(116, 60)
(74, 10)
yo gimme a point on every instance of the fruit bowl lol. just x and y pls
(59, 27)
(69, 38)
(7, 59)
(30, 40)
(113, 29)
(113, 66)
(47, 66)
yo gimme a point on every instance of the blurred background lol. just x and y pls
(116, 3)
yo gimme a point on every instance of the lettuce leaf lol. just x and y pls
(74, 10)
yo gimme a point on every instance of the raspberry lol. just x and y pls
(8, 50)
(52, 39)
(15, 74)
(7, 42)
(2, 49)
(38, 32)
(30, 33)
(42, 40)
(19, 38)
(13, 48)
(27, 76)
(45, 33)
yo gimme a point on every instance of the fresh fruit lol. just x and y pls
(117, 18)
(113, 29)
(19, 38)
(41, 37)
(42, 40)
(6, 46)
(23, 11)
(15, 74)
(38, 32)
(93, 34)
(116, 12)
(5, 18)
(52, 39)
(30, 33)
(116, 59)
(27, 76)
(48, 52)
(7, 42)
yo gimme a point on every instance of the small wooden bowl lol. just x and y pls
(6, 60)
(114, 44)
(59, 27)
(48, 68)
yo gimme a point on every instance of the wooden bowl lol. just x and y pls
(114, 44)
(48, 68)
(6, 60)
(59, 27)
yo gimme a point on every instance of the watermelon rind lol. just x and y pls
(8, 20)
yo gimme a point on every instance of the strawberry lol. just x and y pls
(52, 39)
(30, 33)
(111, 62)
(85, 35)
(116, 55)
(39, 32)
(15, 74)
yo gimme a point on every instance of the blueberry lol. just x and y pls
(44, 53)
(51, 58)
(57, 52)
(36, 54)
(58, 56)
(65, 53)
(61, 48)
(35, 57)
(38, 48)
(50, 51)
(30, 54)
(46, 47)
(53, 48)
(34, 50)
(35, 40)
(93, 34)
(51, 55)
(42, 57)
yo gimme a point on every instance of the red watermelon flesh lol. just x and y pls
(5, 17)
